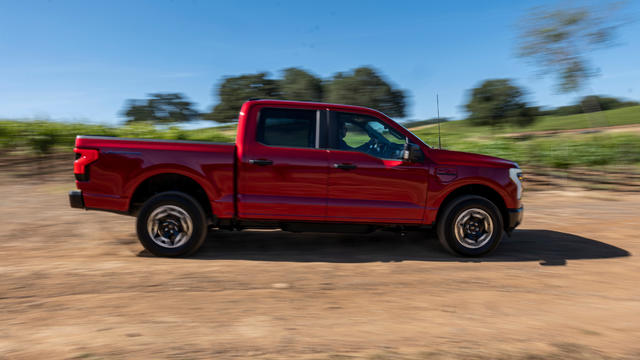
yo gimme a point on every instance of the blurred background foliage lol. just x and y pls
(161, 108)
(557, 39)
(552, 140)
(363, 86)
(497, 102)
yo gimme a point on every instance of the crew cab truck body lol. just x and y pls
(299, 166)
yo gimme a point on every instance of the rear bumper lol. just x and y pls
(515, 218)
(75, 199)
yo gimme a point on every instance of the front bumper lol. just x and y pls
(75, 199)
(515, 218)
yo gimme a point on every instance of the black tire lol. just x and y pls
(173, 200)
(446, 226)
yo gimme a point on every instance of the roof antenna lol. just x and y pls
(438, 107)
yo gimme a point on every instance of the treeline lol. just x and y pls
(495, 102)
(499, 102)
(363, 86)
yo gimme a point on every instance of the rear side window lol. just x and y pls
(287, 127)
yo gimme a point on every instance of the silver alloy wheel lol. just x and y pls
(473, 228)
(169, 226)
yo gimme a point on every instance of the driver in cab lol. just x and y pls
(342, 145)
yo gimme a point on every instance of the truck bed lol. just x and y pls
(124, 163)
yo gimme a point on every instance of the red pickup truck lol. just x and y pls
(300, 166)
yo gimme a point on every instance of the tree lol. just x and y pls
(234, 91)
(593, 103)
(161, 108)
(364, 87)
(298, 84)
(557, 40)
(498, 102)
(590, 103)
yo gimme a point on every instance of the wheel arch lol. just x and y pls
(482, 190)
(169, 181)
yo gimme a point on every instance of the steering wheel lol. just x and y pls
(382, 148)
(369, 146)
(373, 147)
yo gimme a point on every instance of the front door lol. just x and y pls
(283, 173)
(368, 181)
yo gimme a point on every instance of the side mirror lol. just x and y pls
(411, 153)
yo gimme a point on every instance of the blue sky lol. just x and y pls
(80, 60)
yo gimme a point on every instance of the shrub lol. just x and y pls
(42, 137)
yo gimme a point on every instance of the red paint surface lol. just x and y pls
(301, 184)
(86, 157)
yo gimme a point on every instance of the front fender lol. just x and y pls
(495, 179)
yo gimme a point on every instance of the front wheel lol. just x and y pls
(470, 226)
(171, 224)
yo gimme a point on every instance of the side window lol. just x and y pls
(369, 135)
(389, 133)
(287, 127)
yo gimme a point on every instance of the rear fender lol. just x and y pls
(129, 189)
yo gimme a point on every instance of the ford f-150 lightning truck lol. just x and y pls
(300, 166)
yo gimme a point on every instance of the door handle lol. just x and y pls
(261, 162)
(345, 166)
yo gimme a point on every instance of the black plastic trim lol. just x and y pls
(515, 218)
(83, 177)
(324, 129)
(261, 162)
(75, 199)
(315, 226)
(332, 142)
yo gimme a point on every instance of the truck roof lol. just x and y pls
(314, 104)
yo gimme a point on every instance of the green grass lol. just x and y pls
(624, 116)
(559, 151)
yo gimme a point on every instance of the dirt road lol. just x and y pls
(75, 284)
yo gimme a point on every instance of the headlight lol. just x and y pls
(516, 176)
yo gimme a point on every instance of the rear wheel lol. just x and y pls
(171, 224)
(470, 226)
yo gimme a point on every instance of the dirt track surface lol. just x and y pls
(76, 284)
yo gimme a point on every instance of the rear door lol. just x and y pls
(368, 181)
(283, 169)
